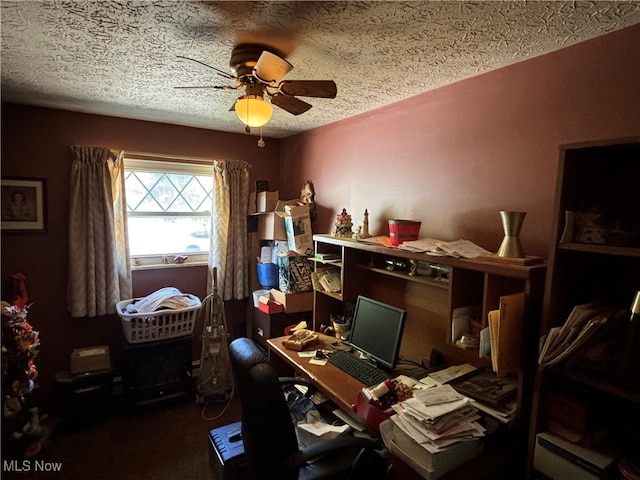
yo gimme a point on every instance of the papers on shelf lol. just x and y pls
(451, 373)
(327, 280)
(462, 319)
(457, 248)
(581, 325)
(431, 246)
(385, 241)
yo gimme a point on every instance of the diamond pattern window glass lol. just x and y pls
(169, 207)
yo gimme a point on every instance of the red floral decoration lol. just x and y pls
(19, 343)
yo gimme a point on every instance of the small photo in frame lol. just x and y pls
(23, 205)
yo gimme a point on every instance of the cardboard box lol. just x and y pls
(295, 272)
(297, 223)
(266, 201)
(269, 306)
(271, 226)
(294, 302)
(251, 203)
(90, 359)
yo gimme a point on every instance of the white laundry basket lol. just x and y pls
(160, 325)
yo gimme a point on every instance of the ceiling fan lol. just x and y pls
(258, 69)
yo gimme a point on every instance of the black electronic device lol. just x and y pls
(376, 331)
(358, 368)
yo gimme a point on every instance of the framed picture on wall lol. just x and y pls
(24, 205)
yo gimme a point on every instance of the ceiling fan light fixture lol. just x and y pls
(270, 67)
(253, 111)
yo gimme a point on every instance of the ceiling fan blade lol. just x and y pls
(270, 67)
(218, 87)
(292, 105)
(222, 73)
(309, 88)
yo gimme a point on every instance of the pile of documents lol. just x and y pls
(431, 246)
(438, 417)
(434, 431)
(457, 248)
(582, 325)
(494, 396)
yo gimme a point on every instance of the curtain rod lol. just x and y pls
(158, 156)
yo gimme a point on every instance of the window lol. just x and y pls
(169, 207)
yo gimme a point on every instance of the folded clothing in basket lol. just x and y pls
(167, 298)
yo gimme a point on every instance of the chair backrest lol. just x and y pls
(268, 432)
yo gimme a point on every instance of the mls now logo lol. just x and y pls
(31, 466)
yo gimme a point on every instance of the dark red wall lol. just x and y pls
(455, 156)
(36, 143)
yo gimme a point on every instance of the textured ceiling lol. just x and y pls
(120, 57)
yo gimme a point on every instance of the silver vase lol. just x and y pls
(511, 223)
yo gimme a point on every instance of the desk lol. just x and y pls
(340, 387)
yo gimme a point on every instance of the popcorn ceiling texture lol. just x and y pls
(119, 57)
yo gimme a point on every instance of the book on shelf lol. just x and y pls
(505, 330)
(327, 257)
(584, 323)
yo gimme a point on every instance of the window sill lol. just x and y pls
(154, 262)
(167, 265)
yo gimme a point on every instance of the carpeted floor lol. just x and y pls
(167, 442)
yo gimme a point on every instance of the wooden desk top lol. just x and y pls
(337, 385)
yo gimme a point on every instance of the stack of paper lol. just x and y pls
(457, 248)
(437, 418)
(327, 280)
(583, 323)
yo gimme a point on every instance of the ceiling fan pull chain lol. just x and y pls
(261, 142)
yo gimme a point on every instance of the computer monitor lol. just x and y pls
(376, 330)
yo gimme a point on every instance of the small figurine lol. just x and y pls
(363, 231)
(343, 225)
(365, 225)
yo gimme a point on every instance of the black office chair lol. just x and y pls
(270, 444)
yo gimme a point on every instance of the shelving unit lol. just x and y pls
(605, 174)
(430, 298)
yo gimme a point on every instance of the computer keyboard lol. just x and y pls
(357, 368)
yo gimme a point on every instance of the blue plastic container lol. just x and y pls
(268, 275)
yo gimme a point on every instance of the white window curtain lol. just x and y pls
(228, 253)
(99, 265)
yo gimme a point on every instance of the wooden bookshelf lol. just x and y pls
(606, 174)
